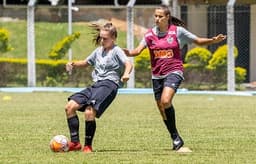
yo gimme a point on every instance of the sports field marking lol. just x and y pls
(184, 150)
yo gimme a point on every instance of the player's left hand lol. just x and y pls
(125, 78)
(219, 38)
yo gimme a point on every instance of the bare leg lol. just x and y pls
(167, 111)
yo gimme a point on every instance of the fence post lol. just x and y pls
(31, 65)
(230, 40)
(175, 8)
(130, 38)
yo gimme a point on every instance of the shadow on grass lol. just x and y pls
(118, 150)
(159, 151)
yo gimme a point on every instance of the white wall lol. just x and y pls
(253, 44)
(197, 20)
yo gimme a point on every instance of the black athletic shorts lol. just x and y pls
(173, 81)
(100, 95)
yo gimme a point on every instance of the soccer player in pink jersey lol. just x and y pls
(164, 42)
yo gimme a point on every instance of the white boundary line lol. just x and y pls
(124, 91)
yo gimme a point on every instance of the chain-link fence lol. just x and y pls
(51, 25)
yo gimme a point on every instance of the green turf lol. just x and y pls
(218, 129)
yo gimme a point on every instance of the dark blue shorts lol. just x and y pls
(100, 95)
(173, 81)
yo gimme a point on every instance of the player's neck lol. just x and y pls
(107, 49)
(163, 29)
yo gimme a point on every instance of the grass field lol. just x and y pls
(218, 129)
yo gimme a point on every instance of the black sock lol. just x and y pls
(90, 128)
(73, 124)
(170, 122)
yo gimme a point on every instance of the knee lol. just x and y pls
(165, 103)
(70, 109)
(89, 114)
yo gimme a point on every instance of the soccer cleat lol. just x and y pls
(177, 143)
(87, 149)
(74, 146)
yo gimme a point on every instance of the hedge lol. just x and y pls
(48, 73)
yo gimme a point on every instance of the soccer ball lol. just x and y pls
(59, 143)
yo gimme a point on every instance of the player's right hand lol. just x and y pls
(125, 78)
(69, 66)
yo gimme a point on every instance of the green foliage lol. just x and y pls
(195, 68)
(219, 58)
(13, 60)
(218, 65)
(49, 73)
(51, 82)
(202, 68)
(142, 69)
(198, 57)
(57, 75)
(21, 79)
(142, 61)
(61, 48)
(4, 41)
(240, 74)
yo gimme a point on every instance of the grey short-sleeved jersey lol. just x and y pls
(108, 65)
(184, 36)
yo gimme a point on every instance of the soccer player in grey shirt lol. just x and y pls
(111, 69)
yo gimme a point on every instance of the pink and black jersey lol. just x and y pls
(164, 52)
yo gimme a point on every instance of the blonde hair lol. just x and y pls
(106, 27)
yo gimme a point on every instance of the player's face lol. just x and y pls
(106, 40)
(161, 20)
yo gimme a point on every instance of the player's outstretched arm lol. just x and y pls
(134, 52)
(208, 41)
(71, 65)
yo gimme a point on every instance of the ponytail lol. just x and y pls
(177, 22)
(172, 20)
(96, 34)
